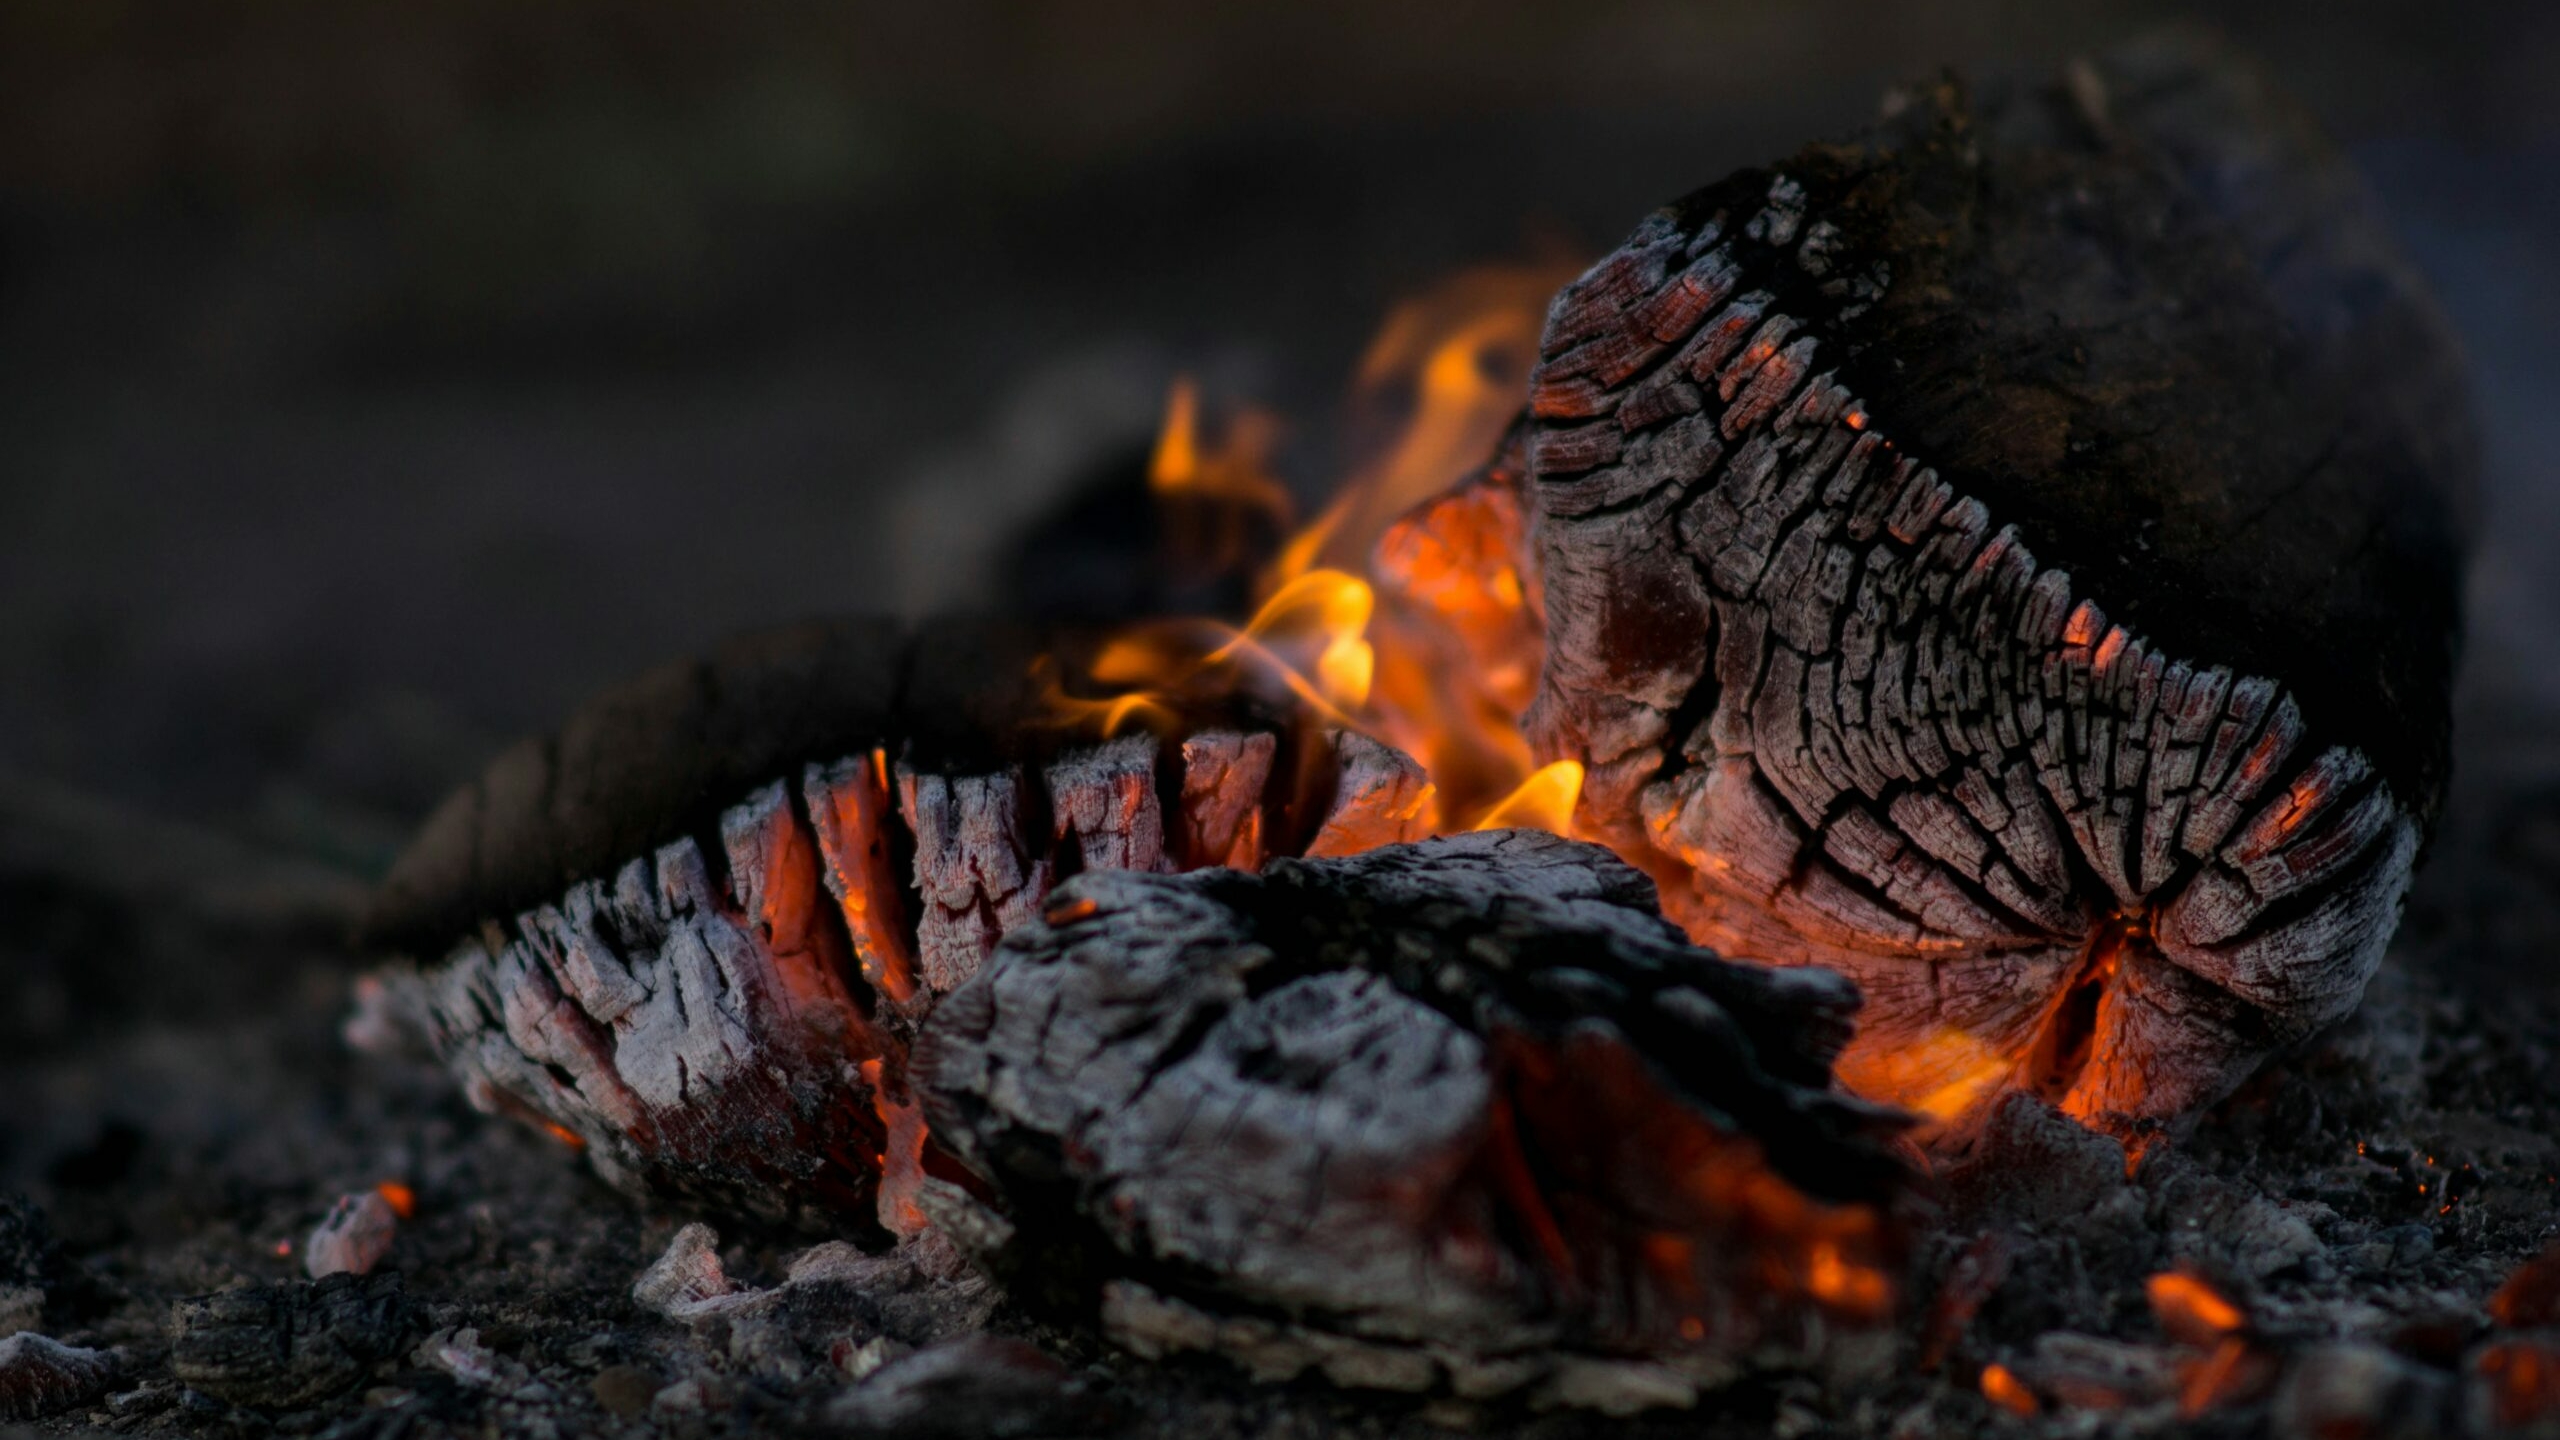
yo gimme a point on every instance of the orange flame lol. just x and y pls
(402, 1200)
(1544, 801)
(1212, 495)
(1449, 367)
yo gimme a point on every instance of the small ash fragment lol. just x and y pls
(838, 1309)
(353, 1237)
(2362, 1390)
(693, 1395)
(41, 1376)
(687, 1282)
(975, 1385)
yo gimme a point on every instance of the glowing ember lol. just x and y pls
(2523, 1379)
(2191, 1311)
(902, 1160)
(2002, 1387)
(402, 1199)
(2234, 1371)
(2531, 1296)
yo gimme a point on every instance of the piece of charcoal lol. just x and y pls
(2011, 557)
(40, 1376)
(276, 1347)
(1466, 1113)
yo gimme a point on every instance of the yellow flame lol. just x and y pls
(1544, 801)
(1452, 363)
(1106, 716)
(1176, 463)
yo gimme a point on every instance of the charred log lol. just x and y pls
(719, 1012)
(1463, 1113)
(2011, 558)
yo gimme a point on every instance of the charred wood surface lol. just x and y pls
(2011, 557)
(1464, 1113)
(719, 1011)
(284, 1346)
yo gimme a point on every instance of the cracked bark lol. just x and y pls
(1888, 509)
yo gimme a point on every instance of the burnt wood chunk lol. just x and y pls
(689, 1024)
(1103, 805)
(977, 866)
(2020, 573)
(1224, 774)
(284, 1346)
(1379, 796)
(1464, 1114)
(853, 811)
(721, 1015)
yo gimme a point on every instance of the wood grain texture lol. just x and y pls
(2012, 557)
(1463, 1113)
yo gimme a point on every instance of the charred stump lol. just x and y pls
(2011, 558)
(1464, 1114)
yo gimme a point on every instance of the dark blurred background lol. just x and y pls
(376, 380)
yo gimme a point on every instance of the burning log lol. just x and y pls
(692, 933)
(2010, 558)
(1467, 1113)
